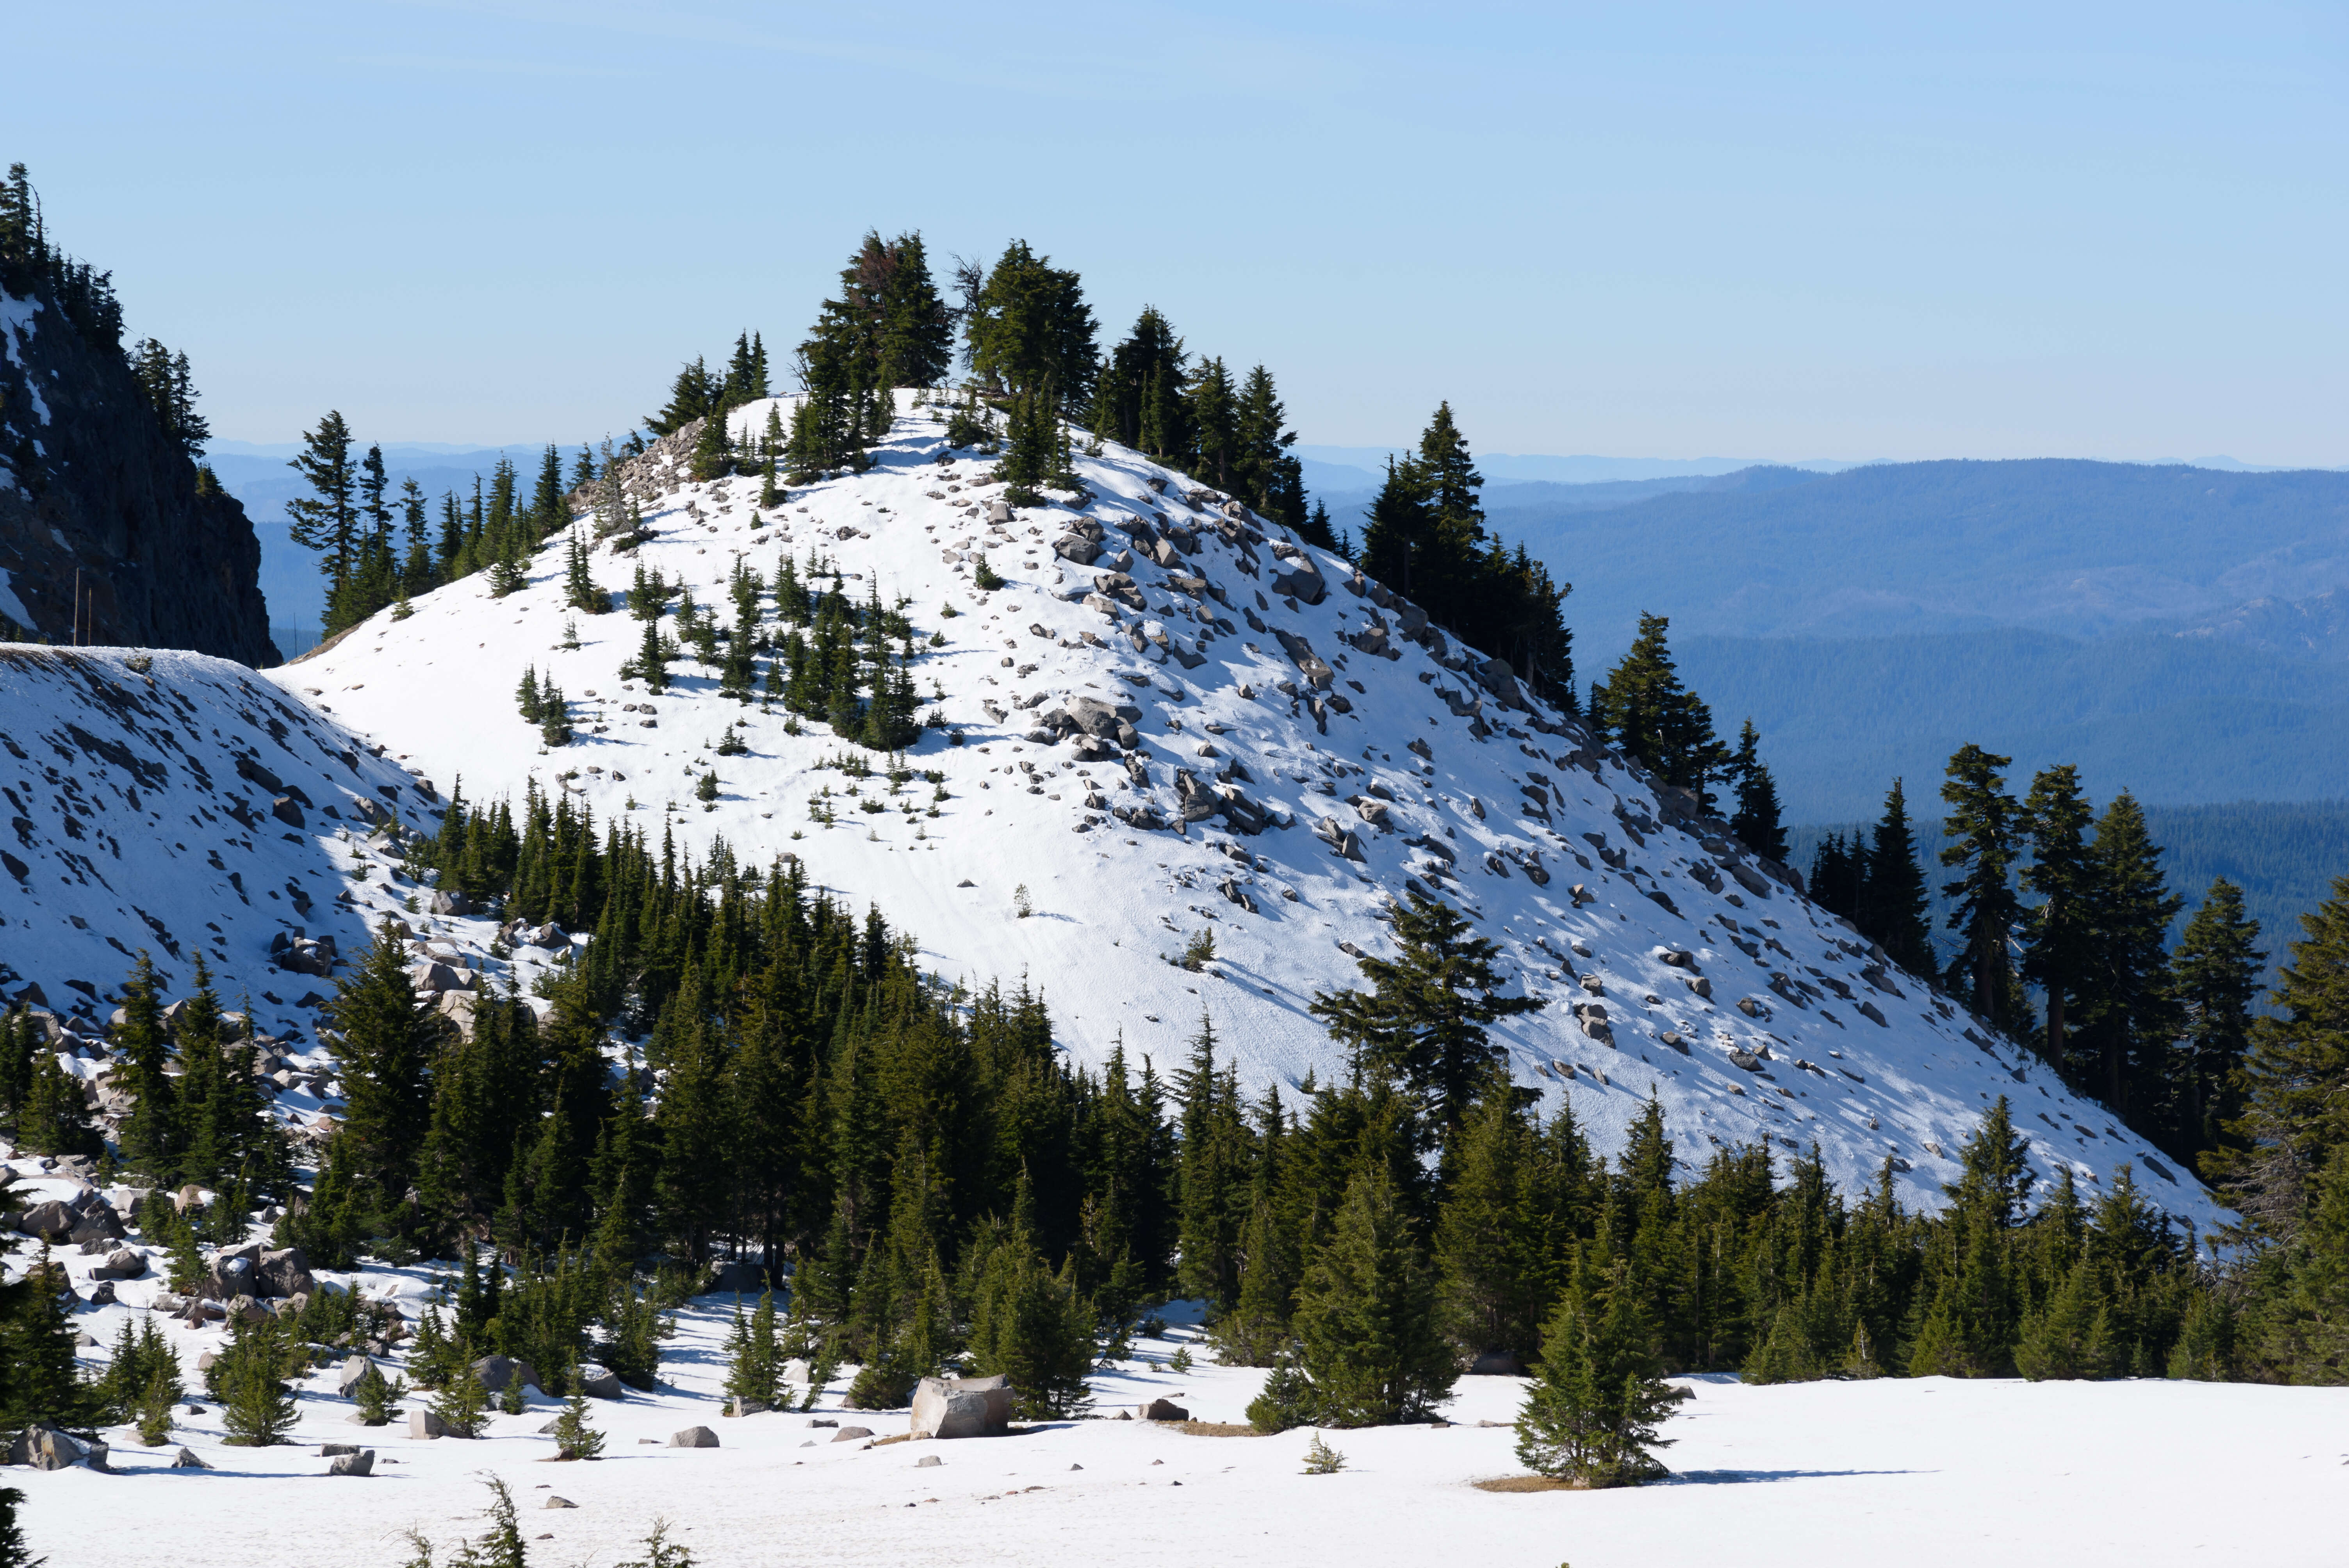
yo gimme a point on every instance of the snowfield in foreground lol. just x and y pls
(1915, 1473)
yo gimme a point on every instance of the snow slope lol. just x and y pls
(1923, 1472)
(1501, 809)
(175, 803)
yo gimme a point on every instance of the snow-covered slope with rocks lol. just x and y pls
(174, 803)
(1302, 752)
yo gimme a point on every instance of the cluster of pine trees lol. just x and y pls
(1149, 393)
(369, 563)
(2159, 1038)
(1426, 538)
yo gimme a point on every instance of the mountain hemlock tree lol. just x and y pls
(1368, 1321)
(2295, 1113)
(1756, 821)
(1591, 1416)
(1421, 1023)
(1644, 708)
(1893, 909)
(2127, 1021)
(2059, 935)
(2216, 973)
(1984, 827)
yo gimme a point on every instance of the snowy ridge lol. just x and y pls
(1309, 761)
(177, 803)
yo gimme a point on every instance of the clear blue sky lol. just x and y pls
(1789, 230)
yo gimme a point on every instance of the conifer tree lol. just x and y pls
(327, 520)
(1982, 827)
(2295, 1113)
(574, 1438)
(2128, 1019)
(1892, 908)
(256, 1406)
(1421, 1022)
(2216, 971)
(1592, 1413)
(152, 1137)
(1646, 710)
(1368, 1321)
(2059, 934)
(1756, 821)
(386, 1047)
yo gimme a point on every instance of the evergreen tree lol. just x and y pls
(2127, 1018)
(2296, 1110)
(1421, 1022)
(694, 395)
(385, 1046)
(1028, 326)
(1368, 1319)
(327, 520)
(256, 1405)
(1756, 821)
(2305, 1331)
(1646, 710)
(152, 1137)
(574, 1438)
(2059, 934)
(2216, 971)
(1592, 1413)
(1892, 908)
(1982, 827)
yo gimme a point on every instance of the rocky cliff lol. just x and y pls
(90, 479)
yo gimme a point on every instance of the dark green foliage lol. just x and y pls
(1592, 1413)
(249, 1380)
(1426, 539)
(1642, 706)
(2127, 1020)
(1367, 1317)
(1027, 327)
(1755, 822)
(152, 1134)
(1984, 827)
(574, 1438)
(2216, 971)
(1421, 1023)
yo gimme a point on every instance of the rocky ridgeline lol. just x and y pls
(90, 484)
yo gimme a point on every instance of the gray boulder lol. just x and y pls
(1077, 547)
(496, 1371)
(122, 1262)
(186, 1460)
(847, 1434)
(52, 1220)
(284, 1273)
(360, 1463)
(740, 1278)
(48, 1448)
(425, 1424)
(351, 1374)
(739, 1406)
(451, 902)
(1161, 1410)
(962, 1407)
(601, 1383)
(693, 1438)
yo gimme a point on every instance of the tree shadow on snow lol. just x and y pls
(1743, 1477)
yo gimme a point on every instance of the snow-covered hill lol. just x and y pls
(1203, 728)
(175, 803)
